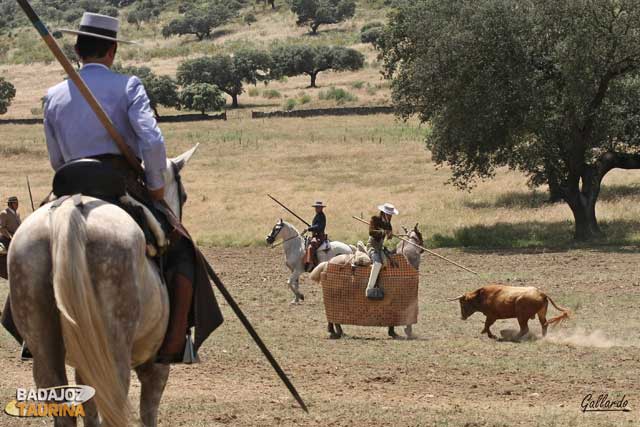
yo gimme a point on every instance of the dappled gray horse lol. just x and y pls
(294, 245)
(83, 292)
(412, 254)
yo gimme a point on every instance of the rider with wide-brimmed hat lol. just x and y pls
(73, 131)
(379, 229)
(9, 221)
(318, 235)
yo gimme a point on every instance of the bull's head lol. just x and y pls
(468, 304)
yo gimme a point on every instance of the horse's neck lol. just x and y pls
(172, 197)
(292, 239)
(407, 248)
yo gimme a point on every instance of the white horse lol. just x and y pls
(294, 248)
(84, 293)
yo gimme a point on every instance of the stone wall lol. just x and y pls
(347, 111)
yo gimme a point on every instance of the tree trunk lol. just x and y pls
(555, 192)
(234, 100)
(584, 215)
(313, 79)
(582, 201)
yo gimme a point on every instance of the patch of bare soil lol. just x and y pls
(450, 376)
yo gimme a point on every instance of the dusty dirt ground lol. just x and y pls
(450, 376)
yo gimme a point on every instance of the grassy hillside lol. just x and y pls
(28, 64)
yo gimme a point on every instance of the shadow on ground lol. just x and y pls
(536, 234)
(538, 199)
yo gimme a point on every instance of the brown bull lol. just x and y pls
(508, 302)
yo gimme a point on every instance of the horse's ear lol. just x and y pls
(416, 227)
(184, 158)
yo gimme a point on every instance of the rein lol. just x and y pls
(275, 245)
(178, 179)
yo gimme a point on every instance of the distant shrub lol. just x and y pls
(254, 91)
(290, 104)
(250, 18)
(337, 94)
(304, 99)
(271, 94)
(7, 93)
(358, 85)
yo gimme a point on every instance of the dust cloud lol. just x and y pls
(581, 338)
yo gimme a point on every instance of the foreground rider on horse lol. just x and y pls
(379, 229)
(318, 236)
(73, 132)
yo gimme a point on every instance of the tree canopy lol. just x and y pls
(201, 97)
(227, 72)
(318, 12)
(201, 20)
(7, 93)
(371, 33)
(161, 90)
(545, 87)
(144, 11)
(294, 60)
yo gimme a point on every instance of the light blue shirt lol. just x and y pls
(73, 131)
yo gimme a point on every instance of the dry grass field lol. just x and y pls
(353, 163)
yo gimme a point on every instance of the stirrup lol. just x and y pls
(375, 294)
(190, 355)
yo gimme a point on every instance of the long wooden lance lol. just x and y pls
(135, 165)
(424, 249)
(30, 195)
(288, 210)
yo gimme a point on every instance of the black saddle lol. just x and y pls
(90, 177)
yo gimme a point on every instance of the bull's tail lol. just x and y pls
(86, 339)
(566, 313)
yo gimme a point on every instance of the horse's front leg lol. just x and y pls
(91, 418)
(336, 333)
(294, 285)
(408, 331)
(153, 378)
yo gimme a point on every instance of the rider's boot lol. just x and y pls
(172, 349)
(372, 291)
(308, 259)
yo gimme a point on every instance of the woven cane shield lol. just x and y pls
(343, 291)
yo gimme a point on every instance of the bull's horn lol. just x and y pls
(456, 298)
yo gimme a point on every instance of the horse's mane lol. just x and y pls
(291, 226)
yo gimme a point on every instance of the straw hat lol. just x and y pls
(98, 26)
(389, 209)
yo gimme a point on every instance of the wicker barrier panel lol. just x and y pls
(343, 291)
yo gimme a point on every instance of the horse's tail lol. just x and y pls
(84, 330)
